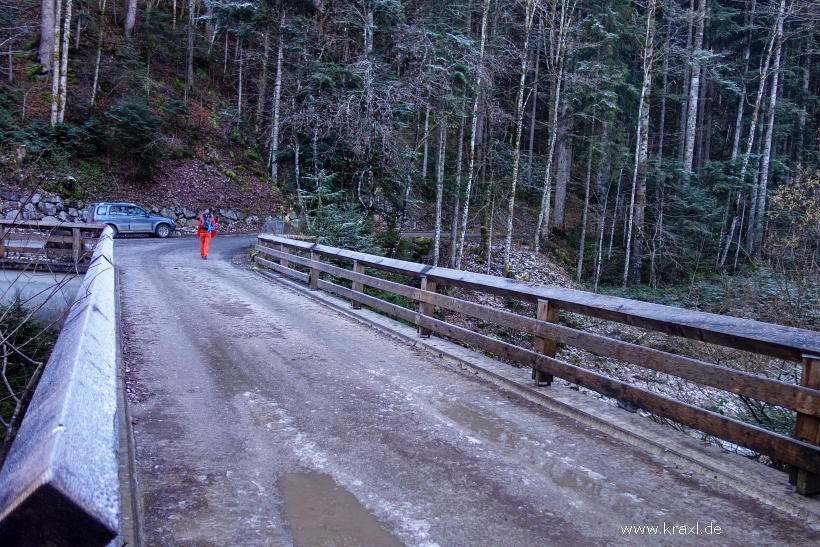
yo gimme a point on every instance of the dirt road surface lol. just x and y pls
(262, 417)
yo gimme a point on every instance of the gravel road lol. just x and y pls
(262, 417)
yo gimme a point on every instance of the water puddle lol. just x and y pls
(479, 425)
(323, 514)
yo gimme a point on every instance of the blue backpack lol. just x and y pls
(207, 224)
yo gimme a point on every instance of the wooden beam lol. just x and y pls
(303, 277)
(314, 272)
(807, 429)
(424, 307)
(357, 285)
(545, 346)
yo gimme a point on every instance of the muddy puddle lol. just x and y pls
(321, 513)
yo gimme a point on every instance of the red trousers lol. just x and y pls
(204, 244)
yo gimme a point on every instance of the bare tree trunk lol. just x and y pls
(442, 143)
(262, 86)
(130, 19)
(558, 56)
(801, 121)
(686, 82)
(486, 220)
(189, 64)
(756, 239)
(77, 34)
(563, 168)
(764, 74)
(456, 203)
(425, 143)
(694, 93)
(615, 213)
(55, 64)
(474, 123)
(664, 88)
(297, 175)
(64, 62)
(99, 54)
(277, 94)
(601, 229)
(241, 54)
(737, 134)
(704, 131)
(225, 58)
(48, 9)
(638, 196)
(580, 266)
(534, 99)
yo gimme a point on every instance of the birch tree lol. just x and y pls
(763, 77)
(519, 123)
(694, 91)
(63, 89)
(277, 95)
(474, 124)
(559, 52)
(189, 60)
(442, 144)
(99, 54)
(55, 63)
(131, 18)
(755, 233)
(634, 245)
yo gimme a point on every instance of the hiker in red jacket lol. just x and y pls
(206, 229)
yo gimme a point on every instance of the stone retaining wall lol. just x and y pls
(54, 208)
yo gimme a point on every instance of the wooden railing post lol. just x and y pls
(807, 429)
(282, 261)
(76, 245)
(545, 312)
(314, 273)
(2, 241)
(357, 287)
(425, 308)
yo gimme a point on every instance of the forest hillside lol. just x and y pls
(668, 149)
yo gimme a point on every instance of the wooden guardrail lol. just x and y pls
(797, 345)
(53, 245)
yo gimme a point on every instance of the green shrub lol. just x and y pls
(135, 130)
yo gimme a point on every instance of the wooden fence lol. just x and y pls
(51, 245)
(801, 452)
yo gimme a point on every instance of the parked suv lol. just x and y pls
(127, 218)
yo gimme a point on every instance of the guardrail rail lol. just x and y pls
(801, 451)
(49, 245)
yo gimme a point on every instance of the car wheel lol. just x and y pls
(113, 229)
(163, 230)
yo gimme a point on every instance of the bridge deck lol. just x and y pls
(262, 417)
